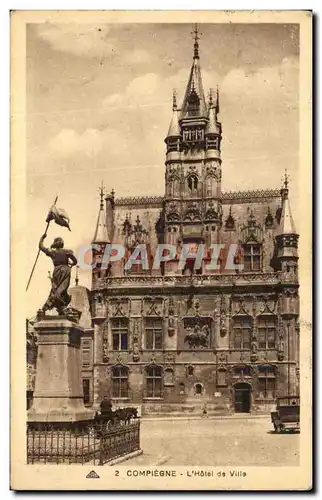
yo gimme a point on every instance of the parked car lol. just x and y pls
(287, 414)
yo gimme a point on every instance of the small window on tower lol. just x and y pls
(193, 183)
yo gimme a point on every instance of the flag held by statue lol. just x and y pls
(59, 216)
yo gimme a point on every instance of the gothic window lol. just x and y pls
(221, 377)
(154, 382)
(193, 183)
(120, 382)
(174, 187)
(119, 327)
(168, 376)
(266, 382)
(242, 332)
(86, 353)
(198, 389)
(190, 371)
(242, 371)
(252, 257)
(86, 391)
(210, 185)
(153, 333)
(266, 332)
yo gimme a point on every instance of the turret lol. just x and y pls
(173, 139)
(213, 129)
(100, 240)
(110, 206)
(287, 238)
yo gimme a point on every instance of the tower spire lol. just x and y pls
(174, 128)
(287, 226)
(101, 192)
(174, 100)
(217, 100)
(101, 234)
(194, 103)
(213, 126)
(196, 37)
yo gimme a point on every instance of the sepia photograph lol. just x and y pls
(161, 196)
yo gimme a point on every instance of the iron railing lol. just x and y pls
(93, 443)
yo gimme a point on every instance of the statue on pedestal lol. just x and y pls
(63, 261)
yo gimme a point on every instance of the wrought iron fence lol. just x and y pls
(94, 443)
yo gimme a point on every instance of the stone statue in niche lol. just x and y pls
(171, 327)
(253, 355)
(223, 329)
(280, 349)
(171, 307)
(105, 351)
(136, 351)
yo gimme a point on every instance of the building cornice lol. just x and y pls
(257, 195)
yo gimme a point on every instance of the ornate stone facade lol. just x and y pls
(171, 339)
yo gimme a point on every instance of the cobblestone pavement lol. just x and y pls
(227, 441)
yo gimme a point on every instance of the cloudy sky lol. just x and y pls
(99, 105)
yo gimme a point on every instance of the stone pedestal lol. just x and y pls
(58, 395)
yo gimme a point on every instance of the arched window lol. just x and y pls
(193, 183)
(154, 382)
(198, 389)
(190, 371)
(120, 386)
(175, 187)
(210, 185)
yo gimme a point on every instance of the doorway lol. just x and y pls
(242, 397)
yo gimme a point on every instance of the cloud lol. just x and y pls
(138, 56)
(268, 82)
(78, 39)
(68, 142)
(271, 82)
(94, 145)
(89, 40)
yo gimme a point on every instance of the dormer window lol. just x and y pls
(193, 103)
(252, 257)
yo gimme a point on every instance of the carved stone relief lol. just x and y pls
(223, 317)
(136, 341)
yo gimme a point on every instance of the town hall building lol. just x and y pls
(176, 341)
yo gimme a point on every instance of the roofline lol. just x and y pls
(227, 197)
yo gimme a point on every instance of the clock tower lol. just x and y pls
(193, 211)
